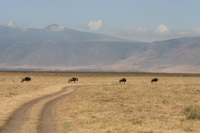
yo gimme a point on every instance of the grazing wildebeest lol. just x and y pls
(123, 80)
(26, 79)
(73, 79)
(154, 80)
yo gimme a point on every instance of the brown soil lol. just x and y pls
(47, 123)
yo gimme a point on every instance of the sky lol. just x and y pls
(141, 20)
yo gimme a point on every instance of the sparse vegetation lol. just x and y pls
(105, 106)
(192, 112)
(135, 107)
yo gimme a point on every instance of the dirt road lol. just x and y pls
(47, 123)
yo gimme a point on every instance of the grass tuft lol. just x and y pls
(192, 112)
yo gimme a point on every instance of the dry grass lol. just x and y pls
(135, 107)
(169, 106)
(13, 93)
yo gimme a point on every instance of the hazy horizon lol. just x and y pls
(145, 21)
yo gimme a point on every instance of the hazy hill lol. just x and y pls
(49, 33)
(176, 55)
(74, 50)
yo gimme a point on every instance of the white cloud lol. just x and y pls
(57, 28)
(139, 30)
(162, 30)
(95, 25)
(160, 33)
(11, 24)
(194, 31)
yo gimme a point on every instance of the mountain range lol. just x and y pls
(53, 48)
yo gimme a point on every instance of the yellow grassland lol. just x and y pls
(105, 106)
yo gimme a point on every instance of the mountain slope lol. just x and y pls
(49, 33)
(62, 54)
(176, 55)
(74, 50)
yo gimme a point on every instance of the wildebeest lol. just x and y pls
(26, 79)
(73, 79)
(123, 80)
(154, 80)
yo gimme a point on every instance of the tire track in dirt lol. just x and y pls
(48, 117)
(21, 115)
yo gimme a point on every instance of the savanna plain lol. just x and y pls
(103, 105)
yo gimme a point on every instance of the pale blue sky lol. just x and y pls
(143, 20)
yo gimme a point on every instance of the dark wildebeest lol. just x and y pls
(154, 80)
(26, 79)
(123, 80)
(73, 79)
